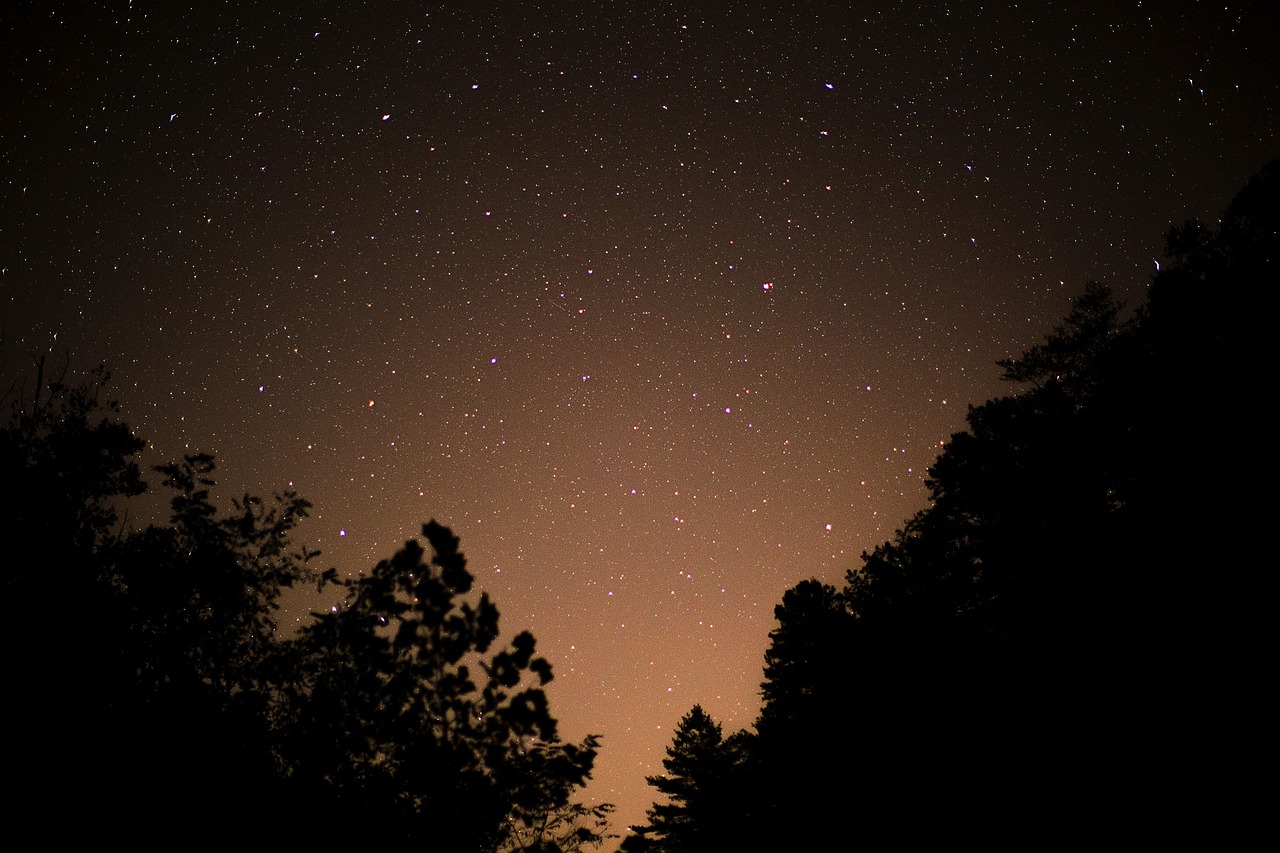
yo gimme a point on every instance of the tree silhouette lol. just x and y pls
(149, 688)
(195, 603)
(386, 716)
(702, 809)
(1066, 641)
(65, 461)
(136, 660)
(563, 829)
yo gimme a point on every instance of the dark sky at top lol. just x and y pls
(661, 307)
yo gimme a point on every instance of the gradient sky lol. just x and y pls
(661, 307)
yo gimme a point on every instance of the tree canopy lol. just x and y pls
(150, 689)
(1065, 642)
(701, 811)
(386, 713)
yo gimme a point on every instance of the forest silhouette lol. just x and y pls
(1066, 643)
(153, 699)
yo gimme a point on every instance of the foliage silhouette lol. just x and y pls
(386, 713)
(150, 689)
(1065, 642)
(702, 810)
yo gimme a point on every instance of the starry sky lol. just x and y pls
(662, 307)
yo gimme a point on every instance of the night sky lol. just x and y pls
(661, 307)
